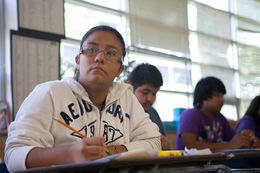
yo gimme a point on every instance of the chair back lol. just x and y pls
(3, 168)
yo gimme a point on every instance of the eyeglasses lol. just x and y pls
(110, 54)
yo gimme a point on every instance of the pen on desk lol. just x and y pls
(76, 131)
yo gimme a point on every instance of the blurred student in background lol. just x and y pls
(250, 123)
(146, 80)
(204, 126)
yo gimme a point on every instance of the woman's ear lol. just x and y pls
(77, 59)
(121, 69)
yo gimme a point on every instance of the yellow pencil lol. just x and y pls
(169, 153)
(69, 127)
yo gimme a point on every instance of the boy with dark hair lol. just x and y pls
(204, 126)
(146, 80)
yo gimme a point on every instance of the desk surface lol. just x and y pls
(113, 165)
(242, 153)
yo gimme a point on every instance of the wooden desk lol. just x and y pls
(183, 164)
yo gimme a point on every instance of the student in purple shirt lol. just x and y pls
(204, 126)
(250, 123)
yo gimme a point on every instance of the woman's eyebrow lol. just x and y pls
(94, 43)
(106, 46)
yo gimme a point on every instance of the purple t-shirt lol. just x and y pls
(247, 122)
(214, 130)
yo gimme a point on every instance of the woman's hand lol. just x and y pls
(251, 135)
(88, 149)
(241, 140)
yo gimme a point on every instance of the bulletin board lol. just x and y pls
(33, 61)
(42, 15)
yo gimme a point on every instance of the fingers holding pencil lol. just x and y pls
(89, 148)
(95, 147)
(100, 142)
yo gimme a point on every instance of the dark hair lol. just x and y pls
(205, 88)
(104, 28)
(253, 108)
(145, 74)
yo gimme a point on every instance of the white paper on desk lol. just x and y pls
(138, 154)
(194, 151)
(107, 158)
(91, 162)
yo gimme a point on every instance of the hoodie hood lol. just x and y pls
(115, 91)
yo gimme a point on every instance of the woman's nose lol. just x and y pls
(100, 57)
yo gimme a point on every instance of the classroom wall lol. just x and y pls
(10, 19)
(10, 15)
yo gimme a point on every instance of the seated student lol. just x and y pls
(250, 123)
(146, 80)
(107, 114)
(204, 126)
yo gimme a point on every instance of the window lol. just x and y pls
(212, 51)
(176, 75)
(162, 26)
(80, 18)
(167, 101)
(69, 50)
(220, 4)
(186, 40)
(229, 111)
(248, 50)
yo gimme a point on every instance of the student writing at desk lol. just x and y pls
(250, 123)
(78, 119)
(146, 80)
(204, 126)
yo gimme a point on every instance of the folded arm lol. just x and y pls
(238, 141)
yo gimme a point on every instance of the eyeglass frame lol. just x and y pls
(97, 51)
